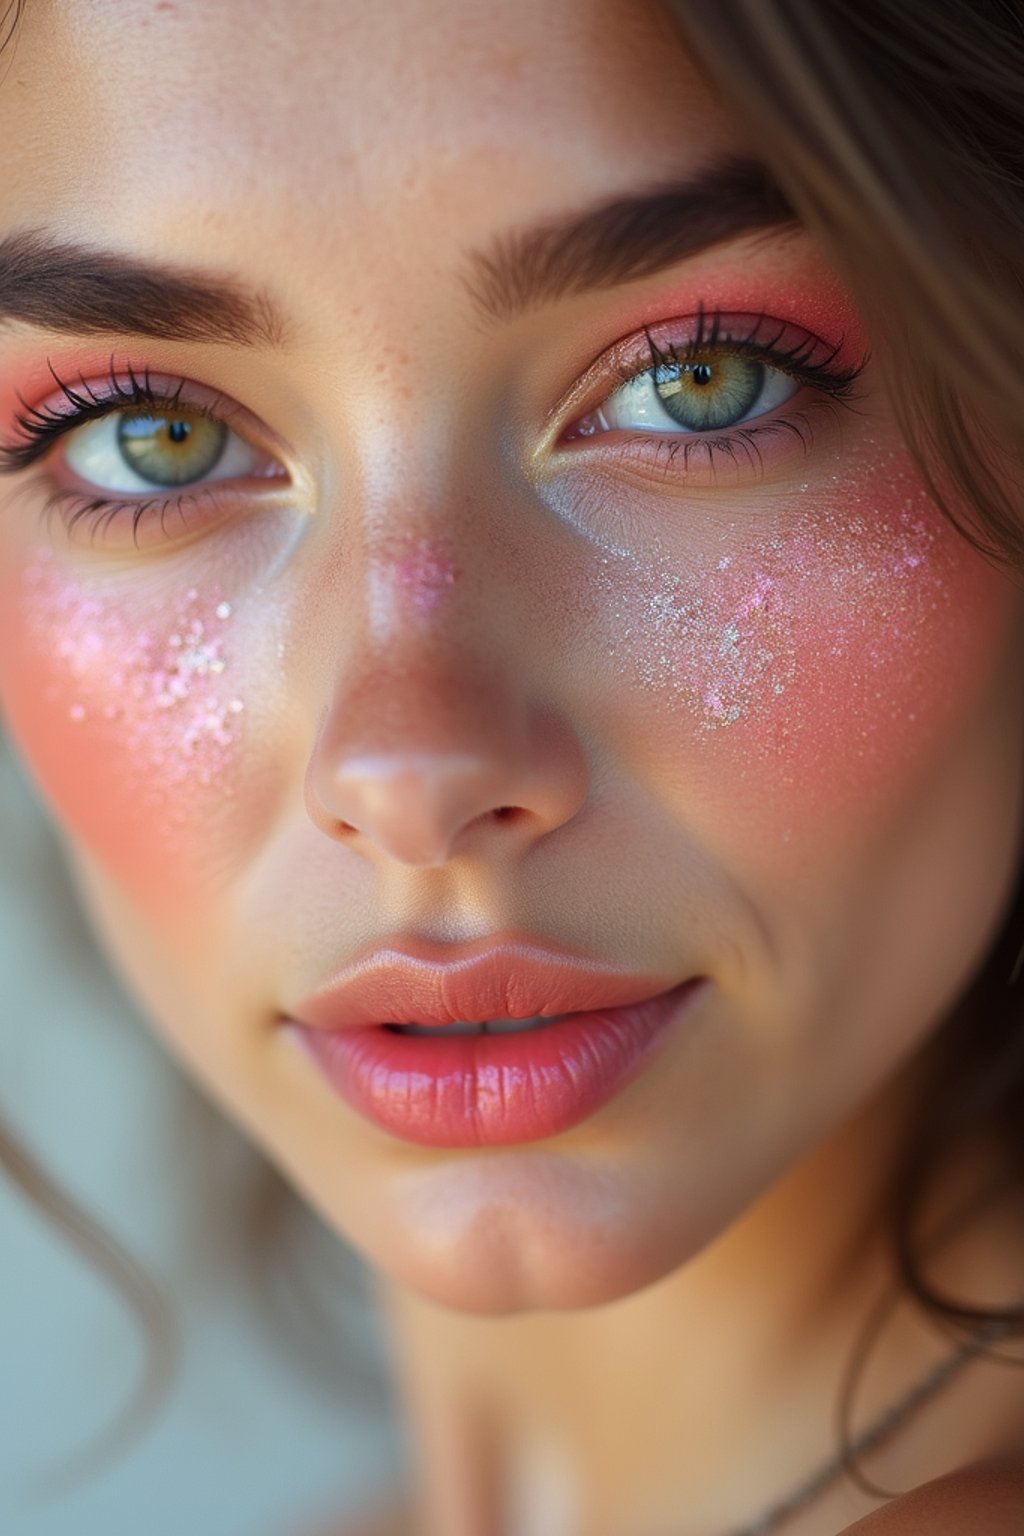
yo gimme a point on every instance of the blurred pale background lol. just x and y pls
(248, 1442)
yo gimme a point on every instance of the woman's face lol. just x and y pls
(452, 567)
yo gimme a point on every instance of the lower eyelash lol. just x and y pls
(39, 428)
(663, 451)
(96, 513)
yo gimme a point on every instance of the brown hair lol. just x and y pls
(896, 129)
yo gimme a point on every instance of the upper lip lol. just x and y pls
(510, 978)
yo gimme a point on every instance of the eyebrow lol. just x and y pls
(82, 291)
(625, 238)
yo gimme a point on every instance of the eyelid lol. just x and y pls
(632, 355)
(40, 425)
(139, 518)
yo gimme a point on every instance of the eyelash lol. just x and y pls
(837, 383)
(39, 427)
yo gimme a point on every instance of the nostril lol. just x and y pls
(499, 813)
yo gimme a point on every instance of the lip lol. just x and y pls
(485, 1090)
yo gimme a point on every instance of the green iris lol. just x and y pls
(172, 449)
(709, 392)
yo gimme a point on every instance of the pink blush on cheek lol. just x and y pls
(126, 713)
(818, 651)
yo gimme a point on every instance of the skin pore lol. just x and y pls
(756, 707)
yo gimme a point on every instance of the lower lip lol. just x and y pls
(493, 1090)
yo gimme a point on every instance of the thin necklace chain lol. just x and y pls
(886, 1424)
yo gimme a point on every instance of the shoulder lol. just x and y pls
(983, 1499)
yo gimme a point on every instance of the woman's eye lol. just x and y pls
(131, 451)
(704, 392)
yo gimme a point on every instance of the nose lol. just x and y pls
(439, 758)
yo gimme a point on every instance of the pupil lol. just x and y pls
(171, 450)
(710, 393)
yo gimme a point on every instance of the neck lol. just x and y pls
(693, 1404)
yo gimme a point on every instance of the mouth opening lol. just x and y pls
(464, 1027)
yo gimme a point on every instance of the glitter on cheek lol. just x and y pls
(722, 646)
(167, 685)
(822, 625)
(713, 641)
(131, 721)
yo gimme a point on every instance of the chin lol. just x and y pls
(494, 1290)
(568, 1241)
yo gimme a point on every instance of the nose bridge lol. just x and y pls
(411, 580)
(424, 670)
(438, 738)
(413, 696)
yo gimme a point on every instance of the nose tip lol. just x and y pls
(422, 808)
(443, 741)
(417, 809)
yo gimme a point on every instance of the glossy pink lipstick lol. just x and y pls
(595, 1029)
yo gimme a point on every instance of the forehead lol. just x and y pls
(163, 123)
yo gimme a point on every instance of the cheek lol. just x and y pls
(136, 721)
(803, 675)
